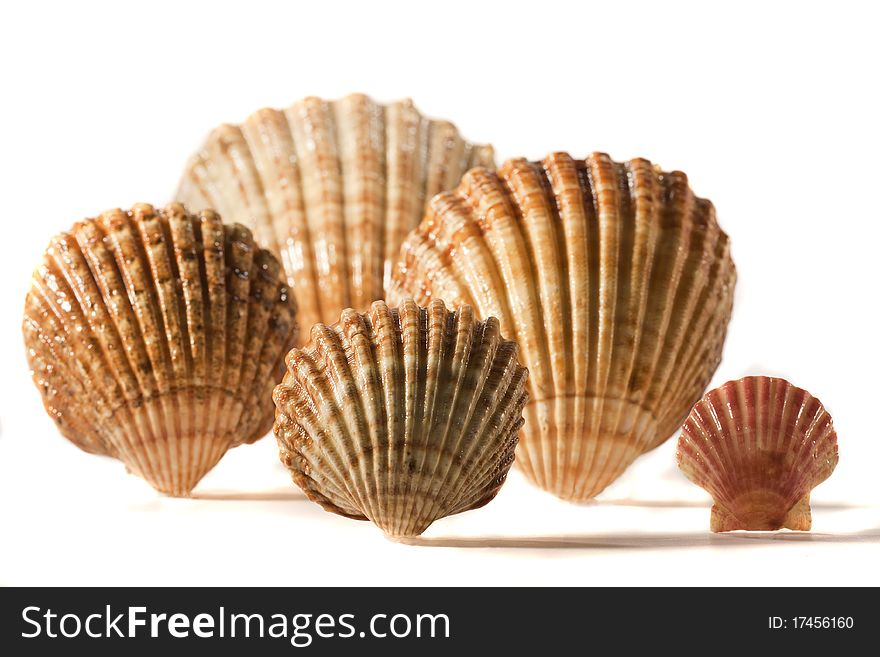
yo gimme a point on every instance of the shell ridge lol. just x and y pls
(279, 340)
(238, 260)
(628, 312)
(301, 468)
(397, 400)
(213, 268)
(269, 339)
(498, 411)
(174, 231)
(299, 453)
(363, 182)
(155, 234)
(798, 426)
(256, 334)
(154, 307)
(476, 362)
(727, 425)
(695, 446)
(405, 166)
(215, 161)
(268, 173)
(244, 190)
(691, 282)
(339, 350)
(452, 150)
(583, 231)
(271, 140)
(819, 423)
(510, 423)
(458, 330)
(789, 406)
(428, 343)
(494, 396)
(314, 133)
(274, 164)
(460, 241)
(75, 371)
(539, 221)
(204, 358)
(132, 388)
(81, 290)
(437, 338)
(486, 485)
(599, 174)
(131, 260)
(713, 311)
(716, 453)
(561, 178)
(502, 225)
(367, 351)
(330, 429)
(640, 188)
(557, 177)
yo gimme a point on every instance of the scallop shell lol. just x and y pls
(759, 446)
(333, 187)
(401, 416)
(155, 337)
(617, 284)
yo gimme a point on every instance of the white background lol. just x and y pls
(771, 108)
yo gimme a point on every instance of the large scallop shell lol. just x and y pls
(333, 187)
(401, 416)
(155, 337)
(614, 279)
(758, 446)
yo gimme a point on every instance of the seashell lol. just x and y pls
(333, 187)
(155, 337)
(401, 416)
(759, 446)
(617, 284)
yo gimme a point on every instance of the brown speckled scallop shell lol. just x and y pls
(758, 446)
(615, 280)
(155, 337)
(331, 186)
(401, 416)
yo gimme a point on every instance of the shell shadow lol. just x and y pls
(251, 496)
(651, 504)
(691, 504)
(642, 541)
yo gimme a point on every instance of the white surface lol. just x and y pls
(770, 108)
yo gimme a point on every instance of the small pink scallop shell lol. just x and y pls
(758, 446)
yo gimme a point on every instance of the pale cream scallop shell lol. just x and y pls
(331, 186)
(615, 280)
(401, 416)
(758, 446)
(156, 336)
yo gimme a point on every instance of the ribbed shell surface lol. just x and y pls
(156, 336)
(758, 446)
(617, 284)
(401, 416)
(333, 187)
